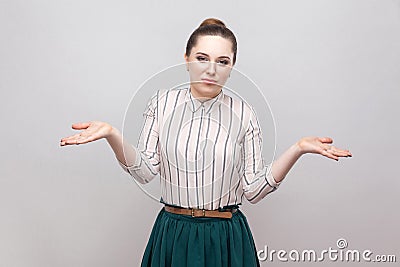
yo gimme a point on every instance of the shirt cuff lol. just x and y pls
(136, 164)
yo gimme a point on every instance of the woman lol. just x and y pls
(207, 147)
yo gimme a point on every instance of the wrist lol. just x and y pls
(298, 149)
(113, 133)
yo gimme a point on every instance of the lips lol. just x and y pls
(209, 80)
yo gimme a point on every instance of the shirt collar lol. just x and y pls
(210, 104)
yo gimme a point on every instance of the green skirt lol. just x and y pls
(180, 240)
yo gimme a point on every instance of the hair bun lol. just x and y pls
(212, 21)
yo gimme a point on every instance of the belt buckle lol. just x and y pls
(204, 213)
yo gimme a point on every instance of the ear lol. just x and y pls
(187, 61)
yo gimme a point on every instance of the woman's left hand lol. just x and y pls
(320, 145)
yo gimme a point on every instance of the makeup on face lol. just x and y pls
(209, 65)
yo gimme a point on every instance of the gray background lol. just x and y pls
(327, 68)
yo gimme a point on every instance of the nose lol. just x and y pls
(211, 68)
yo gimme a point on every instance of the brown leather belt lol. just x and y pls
(201, 213)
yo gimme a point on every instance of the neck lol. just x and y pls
(202, 97)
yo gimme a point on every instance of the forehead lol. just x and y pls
(213, 45)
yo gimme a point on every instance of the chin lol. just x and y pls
(208, 90)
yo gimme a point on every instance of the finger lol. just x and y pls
(80, 125)
(325, 140)
(72, 140)
(86, 139)
(69, 142)
(329, 155)
(342, 153)
(81, 138)
(66, 143)
(64, 138)
(82, 134)
(346, 151)
(70, 137)
(67, 138)
(335, 152)
(83, 141)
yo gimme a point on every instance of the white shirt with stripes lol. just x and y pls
(208, 154)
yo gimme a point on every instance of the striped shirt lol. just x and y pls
(208, 154)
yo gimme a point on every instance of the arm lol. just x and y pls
(282, 165)
(132, 159)
(141, 162)
(311, 144)
(261, 179)
(125, 153)
(258, 179)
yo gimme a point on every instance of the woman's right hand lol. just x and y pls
(93, 131)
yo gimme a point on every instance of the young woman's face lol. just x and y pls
(209, 65)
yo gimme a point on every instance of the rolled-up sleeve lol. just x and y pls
(257, 178)
(147, 164)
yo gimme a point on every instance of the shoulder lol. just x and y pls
(239, 105)
(166, 94)
(162, 97)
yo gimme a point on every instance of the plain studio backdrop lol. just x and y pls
(327, 68)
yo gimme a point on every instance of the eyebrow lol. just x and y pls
(208, 55)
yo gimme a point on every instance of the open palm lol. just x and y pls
(320, 145)
(93, 130)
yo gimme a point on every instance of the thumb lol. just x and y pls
(326, 140)
(80, 125)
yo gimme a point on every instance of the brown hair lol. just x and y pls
(215, 27)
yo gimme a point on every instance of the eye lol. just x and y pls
(223, 62)
(201, 58)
